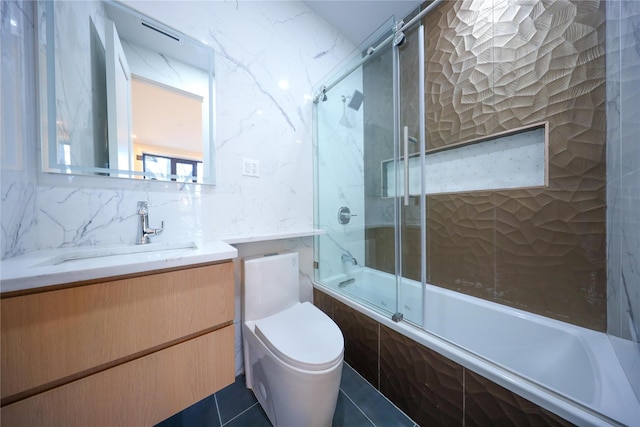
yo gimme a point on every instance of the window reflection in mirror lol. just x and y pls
(163, 168)
(117, 85)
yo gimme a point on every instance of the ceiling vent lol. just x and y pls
(156, 29)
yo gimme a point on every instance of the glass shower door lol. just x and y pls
(369, 176)
(412, 209)
(356, 138)
(340, 253)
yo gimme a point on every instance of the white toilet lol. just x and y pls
(293, 352)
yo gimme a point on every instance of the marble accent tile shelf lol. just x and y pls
(512, 159)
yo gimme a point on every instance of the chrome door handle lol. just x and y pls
(405, 140)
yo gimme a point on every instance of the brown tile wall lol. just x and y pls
(541, 250)
(431, 389)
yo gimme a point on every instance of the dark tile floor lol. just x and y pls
(359, 405)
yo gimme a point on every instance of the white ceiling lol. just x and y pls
(358, 19)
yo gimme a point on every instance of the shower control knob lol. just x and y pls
(344, 215)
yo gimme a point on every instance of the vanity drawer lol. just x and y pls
(51, 338)
(142, 392)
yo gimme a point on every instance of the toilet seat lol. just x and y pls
(303, 336)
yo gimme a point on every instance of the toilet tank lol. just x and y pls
(270, 285)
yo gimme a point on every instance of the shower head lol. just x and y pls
(344, 121)
(356, 100)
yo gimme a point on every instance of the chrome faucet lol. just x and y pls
(347, 257)
(143, 225)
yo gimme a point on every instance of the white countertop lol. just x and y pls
(68, 265)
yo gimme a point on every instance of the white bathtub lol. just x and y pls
(569, 370)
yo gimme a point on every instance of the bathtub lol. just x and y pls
(566, 369)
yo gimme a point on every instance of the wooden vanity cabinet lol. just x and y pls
(131, 351)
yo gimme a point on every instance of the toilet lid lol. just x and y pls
(302, 336)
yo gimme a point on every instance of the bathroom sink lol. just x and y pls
(107, 251)
(50, 267)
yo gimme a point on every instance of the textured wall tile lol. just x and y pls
(538, 250)
(410, 95)
(499, 65)
(429, 388)
(323, 301)
(550, 254)
(380, 252)
(377, 83)
(493, 66)
(460, 235)
(488, 404)
(361, 337)
(411, 252)
(425, 385)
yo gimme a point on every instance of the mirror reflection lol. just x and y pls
(123, 95)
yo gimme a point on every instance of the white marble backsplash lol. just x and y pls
(268, 57)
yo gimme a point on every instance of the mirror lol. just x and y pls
(123, 95)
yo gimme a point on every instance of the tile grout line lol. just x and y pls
(380, 393)
(464, 395)
(357, 407)
(222, 425)
(215, 396)
(379, 361)
(358, 376)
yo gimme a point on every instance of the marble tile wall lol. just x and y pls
(623, 184)
(258, 45)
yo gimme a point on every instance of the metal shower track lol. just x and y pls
(400, 27)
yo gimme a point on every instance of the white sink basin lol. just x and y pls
(107, 251)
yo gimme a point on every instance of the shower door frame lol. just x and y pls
(405, 35)
(392, 40)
